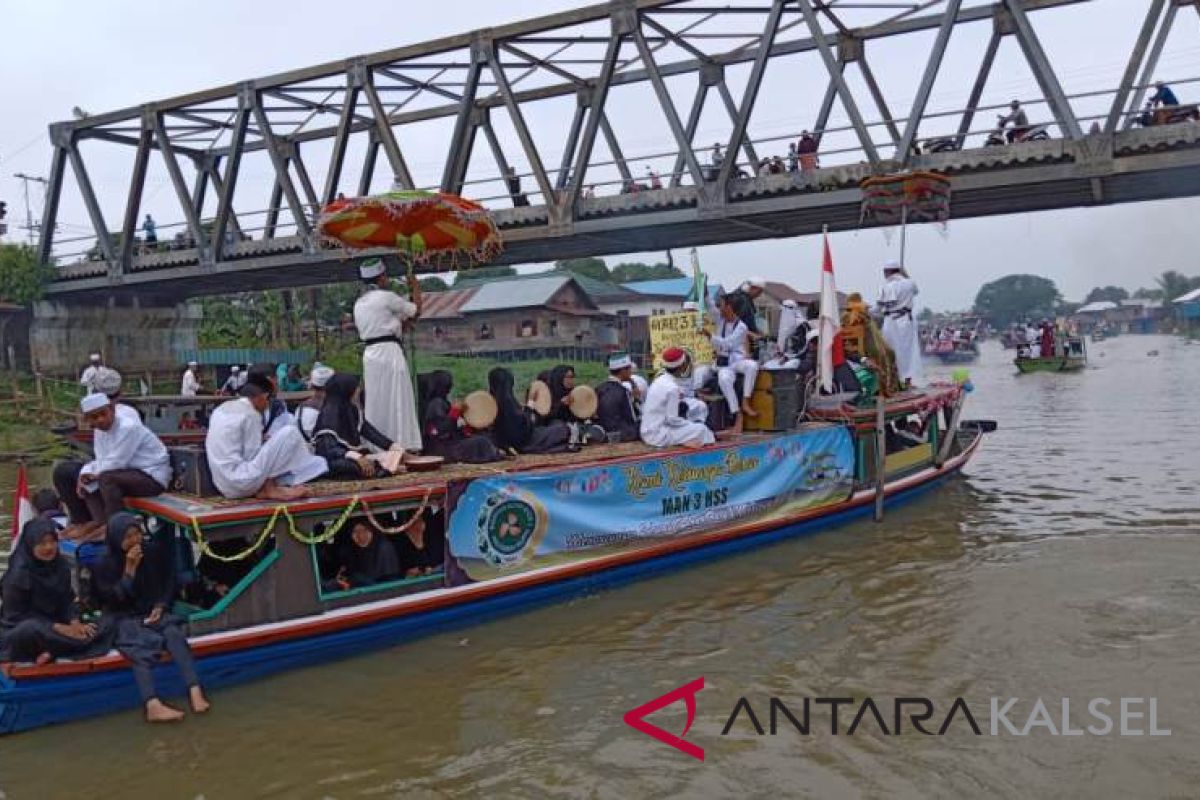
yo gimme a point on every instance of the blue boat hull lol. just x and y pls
(47, 701)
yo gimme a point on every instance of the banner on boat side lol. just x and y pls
(679, 330)
(510, 523)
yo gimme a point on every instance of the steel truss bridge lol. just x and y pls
(355, 122)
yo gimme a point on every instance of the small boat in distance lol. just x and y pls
(1069, 355)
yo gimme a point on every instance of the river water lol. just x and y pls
(1063, 565)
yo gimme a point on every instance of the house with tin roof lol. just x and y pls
(533, 316)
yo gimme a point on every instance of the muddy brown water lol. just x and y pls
(1065, 563)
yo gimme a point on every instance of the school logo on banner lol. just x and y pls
(509, 523)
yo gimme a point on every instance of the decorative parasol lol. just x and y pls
(421, 226)
(906, 197)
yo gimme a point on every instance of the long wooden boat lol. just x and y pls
(515, 534)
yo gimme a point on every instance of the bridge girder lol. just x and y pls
(504, 71)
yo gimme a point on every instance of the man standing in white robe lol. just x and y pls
(896, 304)
(190, 385)
(243, 464)
(661, 424)
(379, 315)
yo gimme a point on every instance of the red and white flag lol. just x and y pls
(828, 323)
(22, 506)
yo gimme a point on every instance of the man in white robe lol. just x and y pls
(190, 385)
(88, 377)
(661, 424)
(243, 464)
(379, 315)
(130, 461)
(731, 345)
(896, 305)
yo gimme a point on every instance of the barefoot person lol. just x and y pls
(245, 463)
(731, 345)
(135, 584)
(130, 462)
(39, 619)
(662, 425)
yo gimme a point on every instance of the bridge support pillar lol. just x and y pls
(134, 335)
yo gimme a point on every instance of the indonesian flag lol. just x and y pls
(829, 321)
(22, 506)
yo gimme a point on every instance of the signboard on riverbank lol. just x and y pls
(512, 523)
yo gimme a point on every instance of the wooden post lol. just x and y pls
(43, 397)
(880, 456)
(950, 433)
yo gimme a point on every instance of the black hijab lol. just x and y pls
(339, 415)
(48, 582)
(558, 389)
(512, 428)
(375, 562)
(154, 582)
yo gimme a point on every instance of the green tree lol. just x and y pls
(480, 274)
(587, 267)
(627, 273)
(1175, 284)
(1111, 294)
(23, 277)
(1014, 297)
(1148, 294)
(433, 283)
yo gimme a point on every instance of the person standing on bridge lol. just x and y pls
(380, 316)
(1163, 96)
(150, 230)
(896, 302)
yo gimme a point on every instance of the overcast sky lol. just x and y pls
(103, 55)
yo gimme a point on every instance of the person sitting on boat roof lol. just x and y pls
(561, 381)
(39, 618)
(662, 424)
(742, 299)
(444, 433)
(896, 303)
(231, 385)
(343, 435)
(190, 385)
(364, 557)
(130, 461)
(306, 415)
(243, 464)
(731, 343)
(136, 586)
(89, 373)
(517, 429)
(615, 409)
(277, 416)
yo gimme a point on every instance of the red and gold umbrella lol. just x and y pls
(422, 226)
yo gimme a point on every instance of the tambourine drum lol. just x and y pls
(584, 402)
(479, 410)
(422, 463)
(539, 397)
